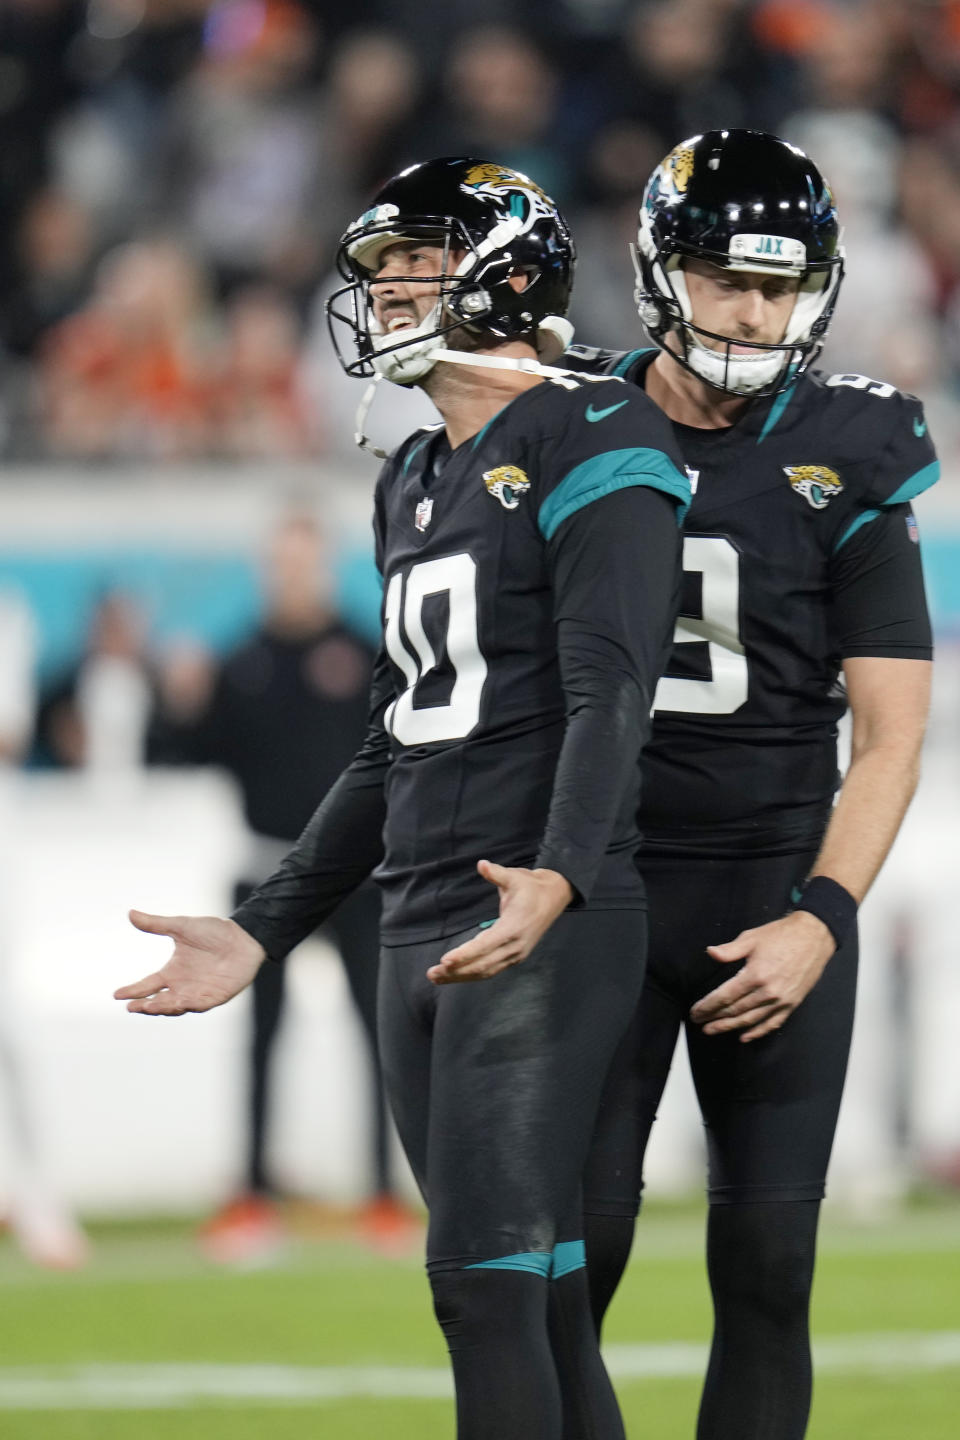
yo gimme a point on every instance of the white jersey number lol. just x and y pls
(456, 577)
(718, 562)
(863, 382)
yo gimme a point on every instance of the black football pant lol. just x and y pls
(494, 1087)
(770, 1112)
(354, 931)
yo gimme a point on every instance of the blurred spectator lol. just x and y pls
(42, 1225)
(97, 715)
(257, 406)
(186, 675)
(884, 324)
(359, 134)
(622, 155)
(35, 86)
(243, 153)
(288, 710)
(124, 376)
(372, 89)
(54, 244)
(435, 29)
(930, 200)
(930, 73)
(103, 150)
(850, 58)
(247, 131)
(690, 65)
(500, 98)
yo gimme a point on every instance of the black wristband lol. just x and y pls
(828, 900)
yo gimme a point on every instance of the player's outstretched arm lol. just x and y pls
(212, 961)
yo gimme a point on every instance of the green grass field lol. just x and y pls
(336, 1343)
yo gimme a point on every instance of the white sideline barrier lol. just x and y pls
(131, 1113)
(135, 1114)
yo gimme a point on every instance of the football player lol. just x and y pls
(530, 554)
(802, 595)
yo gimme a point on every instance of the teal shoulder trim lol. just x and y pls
(780, 404)
(622, 366)
(568, 1256)
(911, 487)
(532, 1262)
(603, 474)
(916, 484)
(414, 450)
(862, 519)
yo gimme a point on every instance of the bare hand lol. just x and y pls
(212, 961)
(784, 960)
(530, 901)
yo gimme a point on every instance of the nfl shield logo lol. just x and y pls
(424, 510)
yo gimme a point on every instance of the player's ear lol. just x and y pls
(518, 281)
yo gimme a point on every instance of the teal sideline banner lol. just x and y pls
(216, 600)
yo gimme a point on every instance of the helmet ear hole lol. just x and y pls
(472, 305)
(652, 314)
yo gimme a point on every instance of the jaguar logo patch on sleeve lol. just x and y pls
(816, 483)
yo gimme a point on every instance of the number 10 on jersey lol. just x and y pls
(456, 577)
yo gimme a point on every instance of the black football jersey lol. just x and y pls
(800, 550)
(475, 586)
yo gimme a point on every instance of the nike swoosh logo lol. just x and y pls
(593, 414)
(919, 427)
(796, 895)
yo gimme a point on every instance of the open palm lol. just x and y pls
(212, 961)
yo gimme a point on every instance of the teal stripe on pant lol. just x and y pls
(567, 1256)
(532, 1261)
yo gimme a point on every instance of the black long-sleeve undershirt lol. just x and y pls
(616, 576)
(340, 846)
(615, 573)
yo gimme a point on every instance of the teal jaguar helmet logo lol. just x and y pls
(512, 191)
(816, 483)
(506, 483)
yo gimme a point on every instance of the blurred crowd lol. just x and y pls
(174, 175)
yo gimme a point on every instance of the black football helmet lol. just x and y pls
(745, 201)
(500, 222)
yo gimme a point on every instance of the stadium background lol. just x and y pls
(173, 177)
